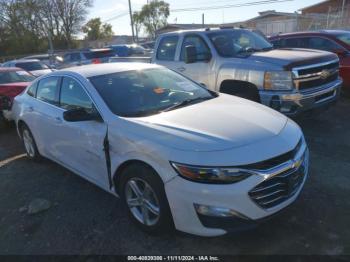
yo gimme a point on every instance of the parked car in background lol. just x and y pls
(176, 153)
(85, 57)
(34, 66)
(12, 82)
(336, 41)
(45, 58)
(148, 45)
(120, 50)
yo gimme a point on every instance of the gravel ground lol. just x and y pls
(83, 219)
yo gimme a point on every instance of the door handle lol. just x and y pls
(181, 69)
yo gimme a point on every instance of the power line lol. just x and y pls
(227, 6)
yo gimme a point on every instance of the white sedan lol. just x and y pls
(176, 153)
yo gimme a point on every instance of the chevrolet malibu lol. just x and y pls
(177, 154)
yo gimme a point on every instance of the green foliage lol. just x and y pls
(95, 30)
(154, 16)
(26, 26)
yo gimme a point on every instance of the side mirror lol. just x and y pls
(80, 114)
(190, 54)
(340, 52)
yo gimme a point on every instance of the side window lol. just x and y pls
(290, 42)
(202, 48)
(47, 89)
(32, 89)
(167, 48)
(323, 44)
(75, 57)
(73, 95)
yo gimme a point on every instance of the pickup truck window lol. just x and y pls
(232, 43)
(167, 48)
(196, 41)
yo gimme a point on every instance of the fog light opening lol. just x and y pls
(217, 211)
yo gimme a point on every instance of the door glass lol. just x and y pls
(47, 89)
(201, 46)
(323, 44)
(167, 48)
(73, 95)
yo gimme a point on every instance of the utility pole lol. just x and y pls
(342, 13)
(132, 22)
(203, 20)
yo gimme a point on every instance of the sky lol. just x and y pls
(107, 9)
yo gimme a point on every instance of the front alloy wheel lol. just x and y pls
(143, 194)
(142, 201)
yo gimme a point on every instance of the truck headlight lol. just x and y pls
(211, 175)
(278, 80)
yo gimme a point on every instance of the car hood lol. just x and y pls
(292, 57)
(42, 72)
(217, 124)
(12, 89)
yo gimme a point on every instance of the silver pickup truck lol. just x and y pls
(243, 63)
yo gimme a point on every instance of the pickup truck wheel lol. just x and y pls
(143, 194)
(29, 144)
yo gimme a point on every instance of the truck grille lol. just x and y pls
(316, 76)
(280, 187)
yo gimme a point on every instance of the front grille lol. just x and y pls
(279, 188)
(317, 82)
(315, 76)
(317, 69)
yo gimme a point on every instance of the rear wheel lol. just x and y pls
(29, 144)
(144, 196)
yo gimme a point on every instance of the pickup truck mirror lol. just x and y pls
(340, 52)
(79, 115)
(190, 54)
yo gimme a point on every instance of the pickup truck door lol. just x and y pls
(200, 71)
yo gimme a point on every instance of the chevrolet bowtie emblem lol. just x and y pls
(325, 74)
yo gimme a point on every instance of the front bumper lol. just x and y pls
(296, 102)
(184, 195)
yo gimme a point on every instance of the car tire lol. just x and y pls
(143, 195)
(30, 144)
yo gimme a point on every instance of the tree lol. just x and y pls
(71, 14)
(95, 30)
(154, 16)
(137, 23)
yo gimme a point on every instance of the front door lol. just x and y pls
(79, 145)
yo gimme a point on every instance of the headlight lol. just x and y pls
(211, 174)
(278, 80)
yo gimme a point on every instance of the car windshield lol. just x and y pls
(32, 66)
(345, 38)
(231, 43)
(146, 92)
(15, 77)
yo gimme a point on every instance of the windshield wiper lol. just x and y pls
(185, 103)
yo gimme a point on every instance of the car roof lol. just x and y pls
(318, 32)
(107, 68)
(24, 61)
(10, 69)
(215, 29)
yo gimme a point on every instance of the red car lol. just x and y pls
(12, 82)
(336, 41)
